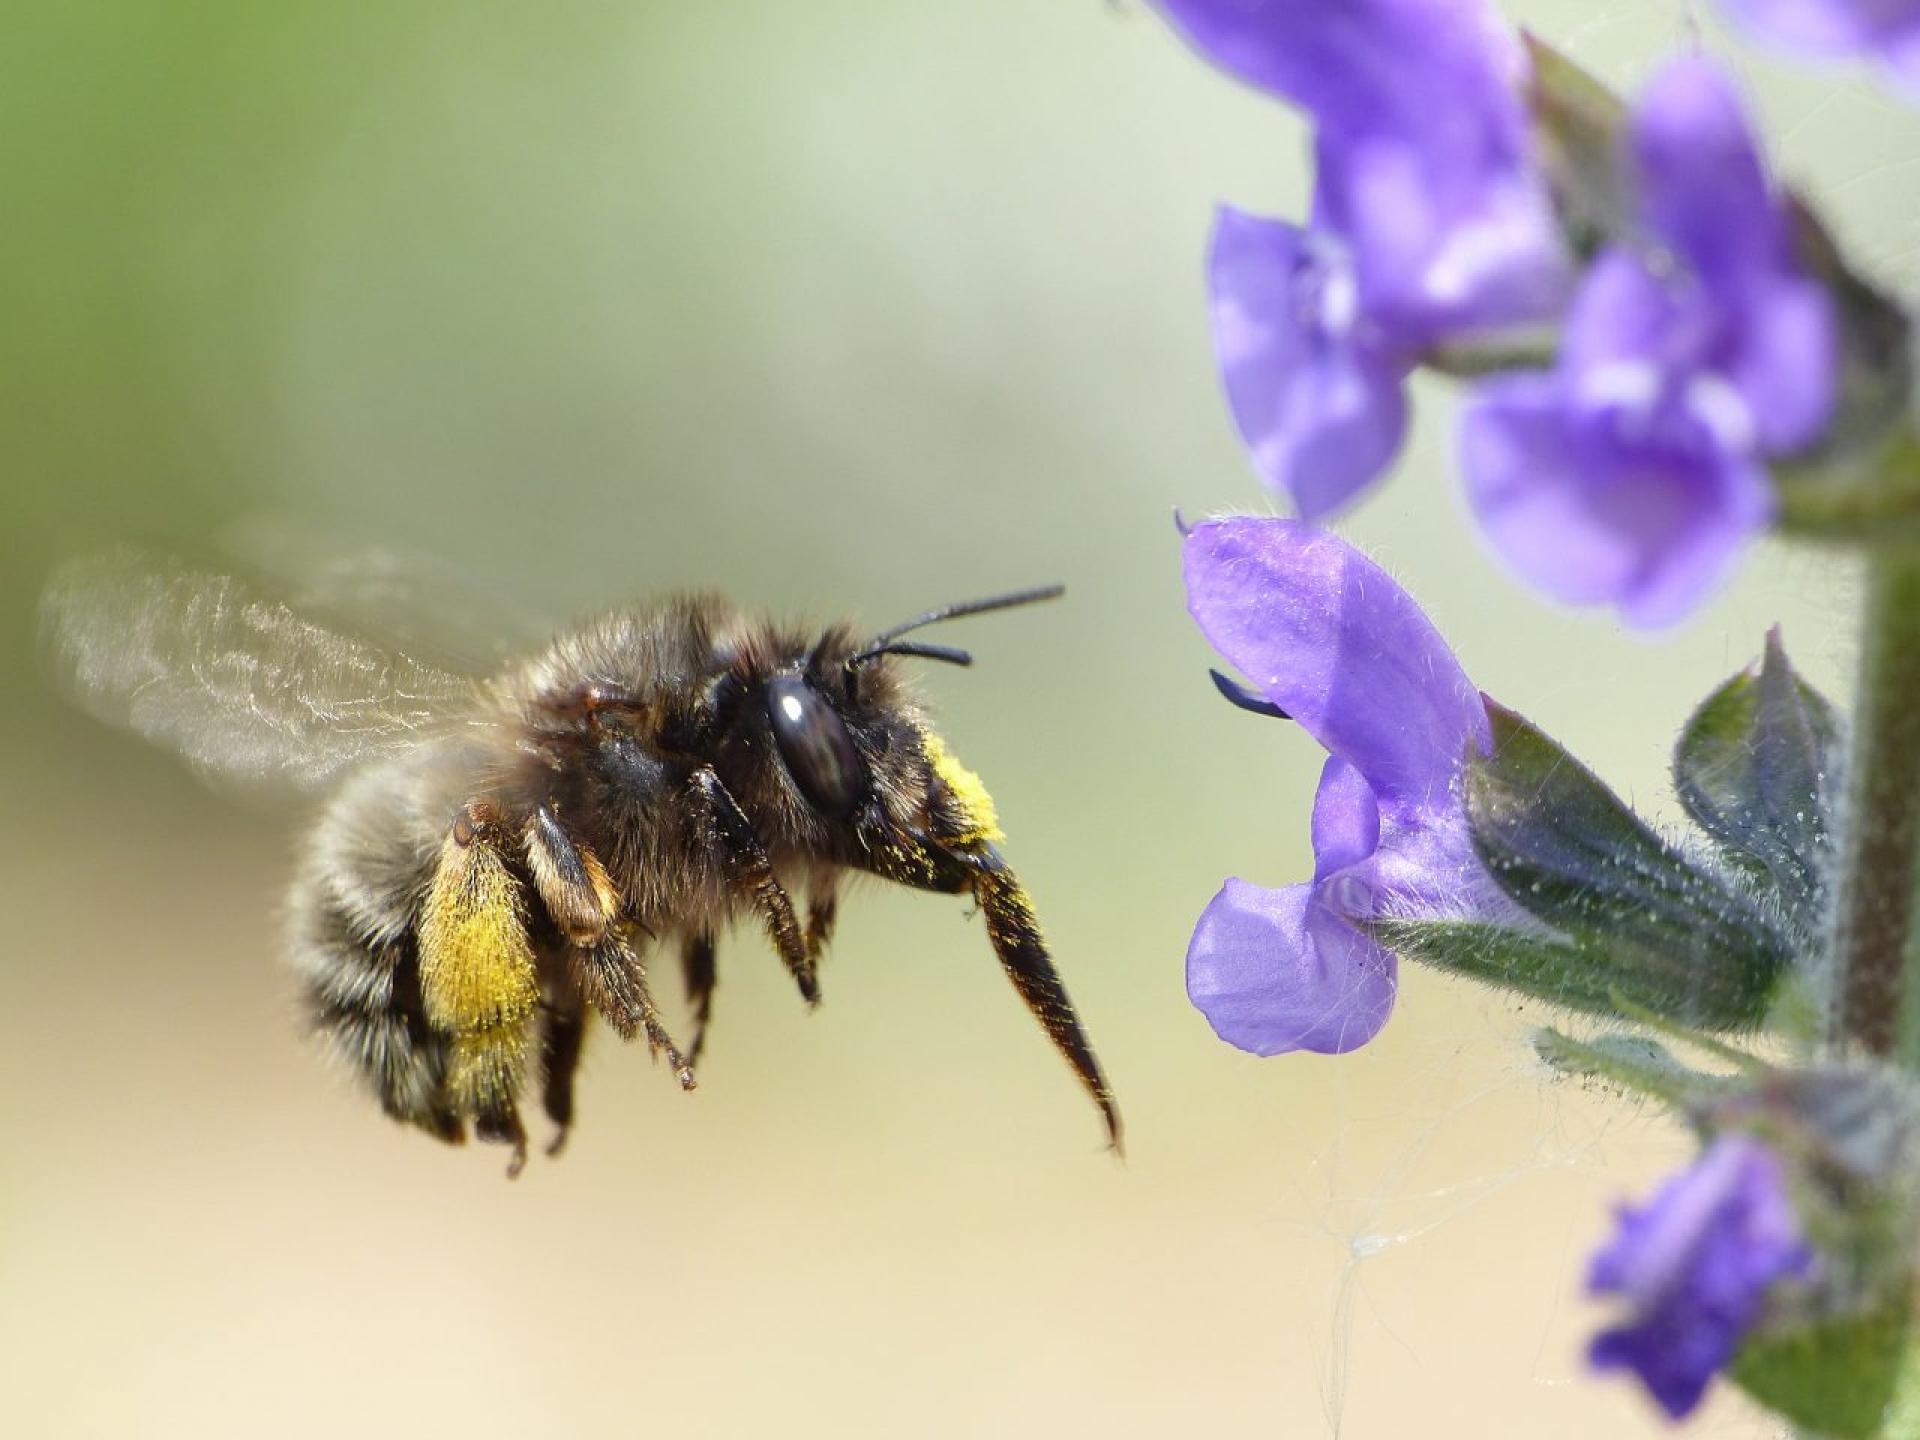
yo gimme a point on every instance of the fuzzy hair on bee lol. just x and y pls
(497, 857)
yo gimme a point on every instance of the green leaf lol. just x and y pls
(1834, 1378)
(1756, 768)
(1655, 927)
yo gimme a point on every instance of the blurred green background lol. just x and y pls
(852, 307)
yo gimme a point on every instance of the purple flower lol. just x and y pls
(1428, 222)
(1327, 636)
(1318, 393)
(1694, 1267)
(1889, 29)
(1632, 474)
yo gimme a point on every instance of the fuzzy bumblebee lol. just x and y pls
(497, 858)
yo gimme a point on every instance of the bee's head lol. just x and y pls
(833, 760)
(851, 744)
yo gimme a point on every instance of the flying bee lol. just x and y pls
(497, 857)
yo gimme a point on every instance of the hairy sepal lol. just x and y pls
(1757, 769)
(1618, 979)
(1833, 1378)
(1684, 942)
(1578, 123)
(1632, 1062)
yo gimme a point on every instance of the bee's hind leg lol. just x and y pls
(563, 1034)
(499, 1123)
(479, 984)
(697, 964)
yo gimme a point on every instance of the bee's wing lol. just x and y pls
(242, 685)
(446, 614)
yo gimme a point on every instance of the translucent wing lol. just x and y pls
(243, 686)
(446, 614)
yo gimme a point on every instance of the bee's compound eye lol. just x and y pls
(815, 746)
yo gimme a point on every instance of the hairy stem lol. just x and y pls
(1875, 939)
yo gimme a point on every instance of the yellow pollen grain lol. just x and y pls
(476, 965)
(983, 824)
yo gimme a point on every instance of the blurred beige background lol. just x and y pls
(855, 306)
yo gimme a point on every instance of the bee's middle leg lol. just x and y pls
(580, 897)
(749, 871)
(626, 999)
(702, 975)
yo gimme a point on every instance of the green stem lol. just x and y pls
(1875, 939)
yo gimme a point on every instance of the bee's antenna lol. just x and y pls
(914, 648)
(970, 607)
(883, 643)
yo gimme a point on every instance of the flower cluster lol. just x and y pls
(1448, 830)
(1667, 357)
(1692, 347)
(1631, 473)
(1429, 223)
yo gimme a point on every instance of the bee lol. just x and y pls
(497, 856)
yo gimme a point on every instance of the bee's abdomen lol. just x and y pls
(351, 940)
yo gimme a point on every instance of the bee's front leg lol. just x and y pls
(953, 850)
(749, 872)
(702, 974)
(823, 904)
(1022, 950)
(580, 897)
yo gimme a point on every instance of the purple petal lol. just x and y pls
(1346, 819)
(1621, 317)
(1900, 49)
(1441, 244)
(1373, 64)
(1328, 636)
(1632, 339)
(1321, 411)
(1274, 971)
(1818, 27)
(1703, 188)
(1694, 1267)
(1423, 144)
(1701, 558)
(1644, 511)
(1785, 362)
(1528, 489)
